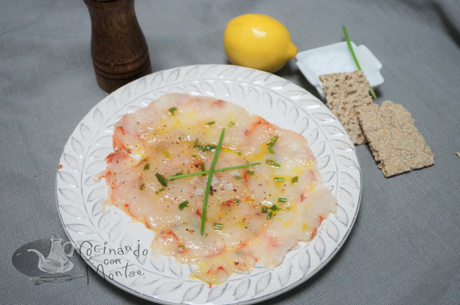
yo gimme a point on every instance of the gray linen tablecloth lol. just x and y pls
(405, 245)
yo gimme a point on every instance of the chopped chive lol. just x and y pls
(237, 200)
(278, 179)
(282, 200)
(208, 184)
(208, 147)
(161, 179)
(203, 169)
(141, 187)
(147, 166)
(272, 163)
(205, 148)
(238, 177)
(216, 170)
(270, 149)
(194, 156)
(166, 153)
(211, 123)
(217, 226)
(269, 216)
(197, 143)
(238, 153)
(230, 124)
(159, 191)
(274, 208)
(240, 224)
(295, 179)
(178, 173)
(250, 173)
(272, 141)
(183, 205)
(264, 210)
(172, 109)
(356, 59)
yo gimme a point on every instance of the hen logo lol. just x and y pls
(46, 261)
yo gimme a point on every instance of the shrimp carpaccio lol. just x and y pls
(254, 214)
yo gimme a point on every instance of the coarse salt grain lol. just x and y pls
(199, 192)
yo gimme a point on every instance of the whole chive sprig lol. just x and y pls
(208, 185)
(356, 59)
(216, 170)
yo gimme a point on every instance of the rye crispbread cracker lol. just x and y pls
(344, 92)
(393, 138)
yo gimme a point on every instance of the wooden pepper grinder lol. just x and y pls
(118, 48)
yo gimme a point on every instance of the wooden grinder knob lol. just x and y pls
(118, 48)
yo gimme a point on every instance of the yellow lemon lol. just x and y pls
(258, 41)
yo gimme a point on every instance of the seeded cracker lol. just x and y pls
(344, 93)
(393, 138)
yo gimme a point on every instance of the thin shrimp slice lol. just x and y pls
(255, 214)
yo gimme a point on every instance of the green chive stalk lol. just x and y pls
(356, 59)
(208, 185)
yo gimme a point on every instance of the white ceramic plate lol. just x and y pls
(119, 249)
